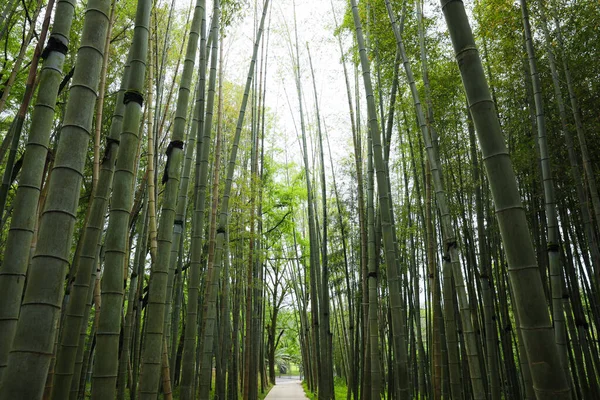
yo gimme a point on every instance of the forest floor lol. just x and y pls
(287, 387)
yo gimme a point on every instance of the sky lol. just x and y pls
(315, 27)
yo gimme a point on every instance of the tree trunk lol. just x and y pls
(43, 296)
(528, 291)
(387, 222)
(20, 235)
(105, 369)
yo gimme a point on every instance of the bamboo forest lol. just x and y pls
(299, 199)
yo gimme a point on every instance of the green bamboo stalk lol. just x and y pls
(105, 370)
(549, 379)
(448, 233)
(20, 235)
(201, 177)
(352, 386)
(581, 133)
(152, 146)
(83, 333)
(137, 273)
(312, 232)
(375, 372)
(161, 273)
(213, 273)
(556, 274)
(387, 222)
(489, 316)
(312, 229)
(176, 260)
(86, 261)
(138, 310)
(224, 213)
(573, 158)
(178, 134)
(421, 359)
(324, 326)
(35, 335)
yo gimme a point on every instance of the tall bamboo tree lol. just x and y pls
(32, 349)
(212, 278)
(386, 211)
(16, 251)
(548, 375)
(161, 273)
(86, 260)
(448, 233)
(324, 326)
(224, 211)
(556, 274)
(201, 177)
(105, 368)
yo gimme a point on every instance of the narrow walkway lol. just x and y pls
(286, 388)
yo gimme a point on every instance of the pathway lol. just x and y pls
(286, 388)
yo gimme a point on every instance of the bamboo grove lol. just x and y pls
(421, 223)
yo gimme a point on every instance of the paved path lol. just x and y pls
(286, 388)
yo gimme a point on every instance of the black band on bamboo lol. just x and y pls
(174, 144)
(451, 245)
(108, 147)
(178, 222)
(581, 322)
(177, 144)
(446, 258)
(372, 275)
(54, 45)
(553, 247)
(133, 95)
(221, 229)
(110, 140)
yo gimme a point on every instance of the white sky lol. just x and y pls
(315, 26)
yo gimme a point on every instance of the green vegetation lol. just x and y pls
(389, 199)
(339, 387)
